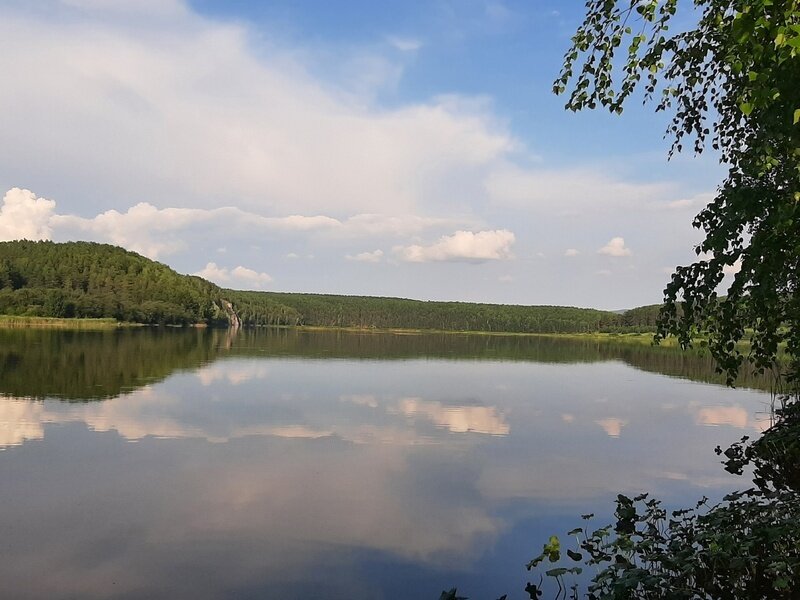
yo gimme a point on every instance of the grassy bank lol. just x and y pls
(14, 322)
(634, 337)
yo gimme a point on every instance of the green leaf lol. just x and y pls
(746, 107)
(556, 572)
(796, 116)
(576, 556)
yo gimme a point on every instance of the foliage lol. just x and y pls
(733, 80)
(326, 310)
(81, 279)
(747, 546)
(94, 365)
(453, 595)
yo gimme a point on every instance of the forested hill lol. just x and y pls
(326, 310)
(84, 279)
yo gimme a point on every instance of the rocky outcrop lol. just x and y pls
(233, 319)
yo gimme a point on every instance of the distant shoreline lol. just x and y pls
(24, 322)
(28, 322)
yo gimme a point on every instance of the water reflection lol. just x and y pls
(258, 472)
(90, 365)
(458, 419)
(612, 426)
(20, 420)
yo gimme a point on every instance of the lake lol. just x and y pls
(296, 464)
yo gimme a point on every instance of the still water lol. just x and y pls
(295, 464)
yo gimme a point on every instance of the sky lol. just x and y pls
(409, 149)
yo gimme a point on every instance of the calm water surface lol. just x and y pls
(289, 464)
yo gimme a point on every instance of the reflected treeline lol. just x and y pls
(91, 365)
(674, 362)
(87, 365)
(665, 360)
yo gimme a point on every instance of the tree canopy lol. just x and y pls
(83, 279)
(732, 81)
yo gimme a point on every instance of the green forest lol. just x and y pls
(89, 280)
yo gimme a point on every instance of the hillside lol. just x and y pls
(84, 279)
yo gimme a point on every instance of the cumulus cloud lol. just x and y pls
(615, 247)
(244, 274)
(189, 107)
(24, 216)
(158, 232)
(238, 275)
(571, 252)
(143, 228)
(369, 257)
(462, 246)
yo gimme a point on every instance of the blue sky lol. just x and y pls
(397, 148)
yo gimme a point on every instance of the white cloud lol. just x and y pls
(24, 216)
(157, 232)
(370, 257)
(615, 247)
(571, 252)
(462, 246)
(254, 277)
(238, 275)
(693, 201)
(505, 279)
(568, 191)
(214, 273)
(404, 44)
(189, 109)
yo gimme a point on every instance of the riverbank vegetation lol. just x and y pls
(18, 322)
(733, 80)
(88, 280)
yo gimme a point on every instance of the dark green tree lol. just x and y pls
(732, 81)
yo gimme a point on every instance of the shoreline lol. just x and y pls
(27, 322)
(24, 322)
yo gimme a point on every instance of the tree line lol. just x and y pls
(89, 280)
